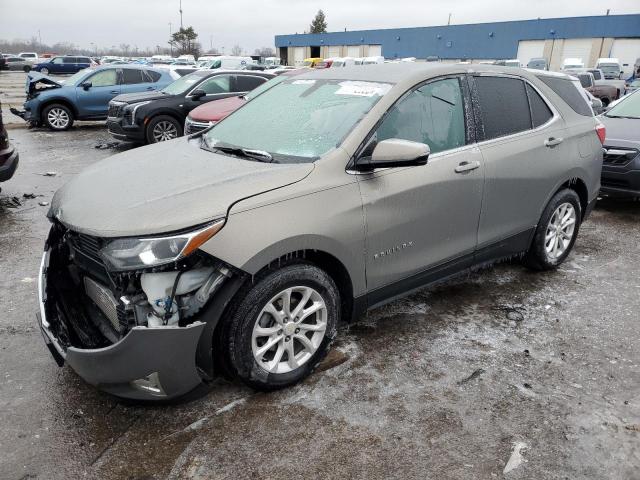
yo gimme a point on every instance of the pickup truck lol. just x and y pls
(600, 79)
(606, 93)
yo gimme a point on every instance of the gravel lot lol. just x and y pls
(502, 373)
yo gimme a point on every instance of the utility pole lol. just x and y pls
(40, 38)
(170, 39)
(180, 14)
(210, 42)
(449, 21)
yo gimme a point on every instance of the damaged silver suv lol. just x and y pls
(237, 250)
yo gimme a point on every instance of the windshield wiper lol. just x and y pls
(260, 155)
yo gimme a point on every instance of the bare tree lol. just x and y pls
(236, 50)
(265, 52)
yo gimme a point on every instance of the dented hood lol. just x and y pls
(164, 187)
(38, 81)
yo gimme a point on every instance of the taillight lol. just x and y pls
(601, 131)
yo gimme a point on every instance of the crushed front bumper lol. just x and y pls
(9, 159)
(147, 364)
(131, 133)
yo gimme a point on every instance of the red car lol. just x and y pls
(211, 113)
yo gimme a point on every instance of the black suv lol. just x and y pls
(158, 116)
(8, 154)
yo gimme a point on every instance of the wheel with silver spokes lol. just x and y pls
(556, 232)
(560, 230)
(44, 71)
(163, 128)
(280, 326)
(289, 329)
(57, 117)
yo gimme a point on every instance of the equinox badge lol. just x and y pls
(396, 249)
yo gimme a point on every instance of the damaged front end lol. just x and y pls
(35, 84)
(136, 331)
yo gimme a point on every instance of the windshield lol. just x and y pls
(182, 84)
(212, 64)
(265, 86)
(627, 108)
(313, 116)
(609, 67)
(76, 77)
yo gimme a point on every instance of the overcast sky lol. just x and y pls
(253, 23)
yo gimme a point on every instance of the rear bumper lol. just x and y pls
(132, 133)
(9, 159)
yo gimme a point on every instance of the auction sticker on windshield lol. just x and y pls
(363, 89)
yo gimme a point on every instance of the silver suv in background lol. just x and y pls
(238, 250)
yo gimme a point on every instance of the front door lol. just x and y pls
(93, 100)
(423, 219)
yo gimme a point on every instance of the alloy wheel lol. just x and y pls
(560, 231)
(164, 131)
(44, 71)
(58, 118)
(289, 329)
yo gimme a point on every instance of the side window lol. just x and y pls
(57, 60)
(69, 60)
(566, 90)
(104, 78)
(540, 112)
(245, 83)
(131, 76)
(217, 84)
(503, 105)
(150, 76)
(432, 114)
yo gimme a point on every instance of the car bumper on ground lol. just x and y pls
(23, 114)
(133, 133)
(9, 159)
(147, 364)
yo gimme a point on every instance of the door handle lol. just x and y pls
(552, 142)
(467, 166)
(115, 92)
(151, 88)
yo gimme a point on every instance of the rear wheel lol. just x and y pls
(163, 128)
(281, 327)
(44, 71)
(556, 232)
(26, 68)
(57, 117)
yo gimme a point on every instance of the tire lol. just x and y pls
(44, 71)
(26, 69)
(242, 344)
(57, 117)
(162, 128)
(605, 101)
(552, 241)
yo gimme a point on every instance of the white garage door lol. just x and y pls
(627, 50)
(353, 51)
(333, 51)
(298, 55)
(577, 48)
(375, 50)
(528, 49)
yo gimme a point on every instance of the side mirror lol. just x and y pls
(86, 85)
(395, 152)
(198, 94)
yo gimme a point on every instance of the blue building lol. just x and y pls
(588, 38)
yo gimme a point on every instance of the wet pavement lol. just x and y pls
(501, 373)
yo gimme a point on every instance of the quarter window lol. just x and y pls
(150, 76)
(503, 106)
(104, 78)
(217, 84)
(540, 112)
(566, 90)
(131, 76)
(70, 60)
(432, 114)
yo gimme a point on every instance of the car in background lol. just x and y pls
(569, 63)
(343, 62)
(326, 63)
(17, 64)
(8, 154)
(152, 117)
(311, 62)
(85, 95)
(596, 103)
(508, 63)
(621, 162)
(373, 60)
(538, 64)
(209, 114)
(29, 56)
(611, 68)
(633, 86)
(228, 62)
(63, 64)
(606, 93)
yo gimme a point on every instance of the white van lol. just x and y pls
(373, 60)
(188, 58)
(572, 63)
(228, 62)
(343, 62)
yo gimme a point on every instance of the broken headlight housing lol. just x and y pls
(139, 253)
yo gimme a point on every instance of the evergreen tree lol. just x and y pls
(319, 23)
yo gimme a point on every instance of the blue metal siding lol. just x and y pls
(481, 40)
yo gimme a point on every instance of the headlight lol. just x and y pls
(137, 253)
(134, 108)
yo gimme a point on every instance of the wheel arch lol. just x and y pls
(61, 100)
(580, 187)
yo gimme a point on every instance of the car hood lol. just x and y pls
(621, 132)
(164, 187)
(38, 81)
(140, 97)
(216, 110)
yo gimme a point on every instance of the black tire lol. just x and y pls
(537, 258)
(158, 122)
(44, 71)
(26, 69)
(61, 110)
(235, 338)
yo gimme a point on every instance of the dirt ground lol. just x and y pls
(502, 373)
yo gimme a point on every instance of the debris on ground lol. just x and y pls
(43, 204)
(474, 375)
(513, 312)
(10, 202)
(333, 359)
(516, 459)
(633, 428)
(28, 195)
(49, 174)
(106, 146)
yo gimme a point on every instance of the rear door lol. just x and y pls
(56, 65)
(522, 143)
(93, 102)
(133, 80)
(245, 83)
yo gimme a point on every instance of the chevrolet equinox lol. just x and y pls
(237, 251)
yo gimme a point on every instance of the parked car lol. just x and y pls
(596, 103)
(3, 62)
(508, 63)
(611, 68)
(606, 93)
(85, 95)
(9, 157)
(373, 60)
(599, 77)
(228, 62)
(538, 64)
(31, 57)
(240, 250)
(343, 62)
(152, 117)
(569, 63)
(311, 62)
(621, 167)
(17, 63)
(61, 65)
(633, 86)
(211, 113)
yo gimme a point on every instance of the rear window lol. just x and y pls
(566, 90)
(83, 60)
(246, 83)
(150, 76)
(503, 105)
(131, 76)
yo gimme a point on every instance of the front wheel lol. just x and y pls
(26, 68)
(556, 233)
(163, 128)
(57, 117)
(44, 71)
(281, 327)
